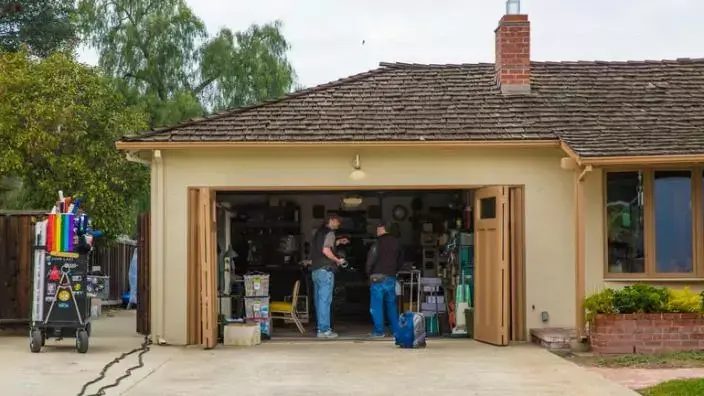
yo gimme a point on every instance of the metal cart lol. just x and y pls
(62, 307)
(411, 280)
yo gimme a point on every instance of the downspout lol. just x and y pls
(158, 230)
(580, 249)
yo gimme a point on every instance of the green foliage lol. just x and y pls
(58, 124)
(680, 387)
(43, 26)
(684, 300)
(159, 51)
(600, 302)
(640, 298)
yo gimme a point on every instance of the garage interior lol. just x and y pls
(267, 235)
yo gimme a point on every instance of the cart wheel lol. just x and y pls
(82, 341)
(43, 337)
(36, 341)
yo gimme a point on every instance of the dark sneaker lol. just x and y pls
(328, 334)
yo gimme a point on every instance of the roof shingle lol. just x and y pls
(597, 108)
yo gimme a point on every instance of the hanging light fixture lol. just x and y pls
(357, 173)
(351, 202)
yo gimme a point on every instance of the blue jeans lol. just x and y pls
(383, 298)
(323, 285)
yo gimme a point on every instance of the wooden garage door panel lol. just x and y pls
(208, 274)
(491, 260)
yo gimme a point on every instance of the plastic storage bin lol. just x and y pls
(256, 285)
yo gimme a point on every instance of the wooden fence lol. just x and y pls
(143, 276)
(16, 265)
(16, 246)
(114, 261)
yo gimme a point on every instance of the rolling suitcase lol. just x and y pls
(411, 330)
(411, 326)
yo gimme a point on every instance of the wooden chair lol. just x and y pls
(287, 310)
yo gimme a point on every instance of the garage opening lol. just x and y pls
(260, 258)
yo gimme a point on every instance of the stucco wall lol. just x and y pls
(548, 201)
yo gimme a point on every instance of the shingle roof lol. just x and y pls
(597, 108)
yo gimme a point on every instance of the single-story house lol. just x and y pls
(585, 174)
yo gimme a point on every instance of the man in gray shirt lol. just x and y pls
(324, 264)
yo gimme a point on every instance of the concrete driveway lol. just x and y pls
(311, 368)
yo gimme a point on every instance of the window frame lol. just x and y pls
(697, 199)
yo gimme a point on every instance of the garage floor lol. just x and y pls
(305, 368)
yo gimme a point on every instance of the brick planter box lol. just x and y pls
(646, 333)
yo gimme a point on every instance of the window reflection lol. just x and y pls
(624, 216)
(672, 203)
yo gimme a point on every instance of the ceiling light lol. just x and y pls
(352, 202)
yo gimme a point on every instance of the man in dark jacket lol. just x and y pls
(384, 261)
(324, 264)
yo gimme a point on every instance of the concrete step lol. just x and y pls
(554, 338)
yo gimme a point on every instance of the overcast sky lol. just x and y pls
(326, 35)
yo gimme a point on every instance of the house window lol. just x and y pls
(625, 222)
(672, 206)
(652, 223)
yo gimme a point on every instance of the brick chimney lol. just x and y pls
(513, 51)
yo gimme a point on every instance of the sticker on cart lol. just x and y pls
(76, 278)
(54, 274)
(64, 295)
(49, 299)
(257, 284)
(77, 287)
(68, 267)
(51, 288)
(63, 305)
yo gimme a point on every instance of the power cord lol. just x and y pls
(143, 349)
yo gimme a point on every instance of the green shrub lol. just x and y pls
(599, 303)
(684, 300)
(640, 298)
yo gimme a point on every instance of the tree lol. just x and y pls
(161, 54)
(44, 26)
(58, 124)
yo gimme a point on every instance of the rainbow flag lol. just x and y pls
(58, 242)
(50, 232)
(68, 232)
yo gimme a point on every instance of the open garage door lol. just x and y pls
(492, 288)
(206, 237)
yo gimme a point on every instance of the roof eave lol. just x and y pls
(642, 160)
(164, 145)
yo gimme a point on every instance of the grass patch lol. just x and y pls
(688, 359)
(684, 387)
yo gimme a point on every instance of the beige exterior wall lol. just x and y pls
(549, 217)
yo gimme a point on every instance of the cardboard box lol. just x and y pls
(242, 334)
